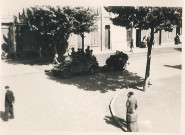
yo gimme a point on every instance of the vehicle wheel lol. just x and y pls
(66, 74)
(92, 70)
(55, 73)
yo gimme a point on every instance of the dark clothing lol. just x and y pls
(88, 52)
(9, 100)
(131, 44)
(177, 40)
(72, 53)
(9, 110)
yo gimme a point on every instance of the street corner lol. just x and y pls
(117, 107)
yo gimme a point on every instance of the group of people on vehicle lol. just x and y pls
(76, 55)
(80, 54)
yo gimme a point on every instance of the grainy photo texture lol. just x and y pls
(90, 68)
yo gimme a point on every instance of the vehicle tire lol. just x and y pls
(54, 73)
(92, 70)
(66, 74)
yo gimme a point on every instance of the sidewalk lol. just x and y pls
(137, 49)
(159, 107)
(45, 64)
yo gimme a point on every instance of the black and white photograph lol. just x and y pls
(91, 67)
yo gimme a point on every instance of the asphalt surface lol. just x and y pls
(45, 103)
(160, 106)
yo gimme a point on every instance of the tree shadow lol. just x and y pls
(110, 120)
(178, 49)
(102, 81)
(176, 66)
(29, 61)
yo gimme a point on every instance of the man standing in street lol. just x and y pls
(131, 105)
(9, 100)
(131, 102)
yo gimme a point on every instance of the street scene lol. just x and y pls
(85, 69)
(46, 103)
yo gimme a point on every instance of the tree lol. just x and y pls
(153, 18)
(53, 25)
(5, 45)
(84, 19)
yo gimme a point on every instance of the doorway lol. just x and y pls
(138, 37)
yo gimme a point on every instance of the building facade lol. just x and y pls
(107, 36)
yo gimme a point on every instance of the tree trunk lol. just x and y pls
(147, 73)
(82, 35)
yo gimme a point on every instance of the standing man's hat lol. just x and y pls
(7, 87)
(131, 93)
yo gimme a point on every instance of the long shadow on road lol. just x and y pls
(178, 49)
(176, 66)
(103, 81)
(110, 120)
(29, 61)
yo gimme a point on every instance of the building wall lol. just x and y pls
(120, 37)
(168, 36)
(99, 39)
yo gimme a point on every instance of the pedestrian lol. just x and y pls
(177, 39)
(72, 52)
(88, 51)
(144, 42)
(130, 104)
(9, 100)
(132, 121)
(131, 45)
(55, 61)
(131, 101)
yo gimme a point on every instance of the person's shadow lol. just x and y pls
(2, 115)
(112, 121)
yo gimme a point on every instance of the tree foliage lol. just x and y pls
(53, 25)
(153, 18)
(146, 17)
(84, 19)
(5, 45)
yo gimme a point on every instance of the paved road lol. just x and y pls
(142, 53)
(160, 106)
(47, 103)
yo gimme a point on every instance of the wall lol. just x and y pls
(119, 36)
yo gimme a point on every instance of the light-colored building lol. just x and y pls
(107, 36)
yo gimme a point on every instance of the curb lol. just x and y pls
(113, 113)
